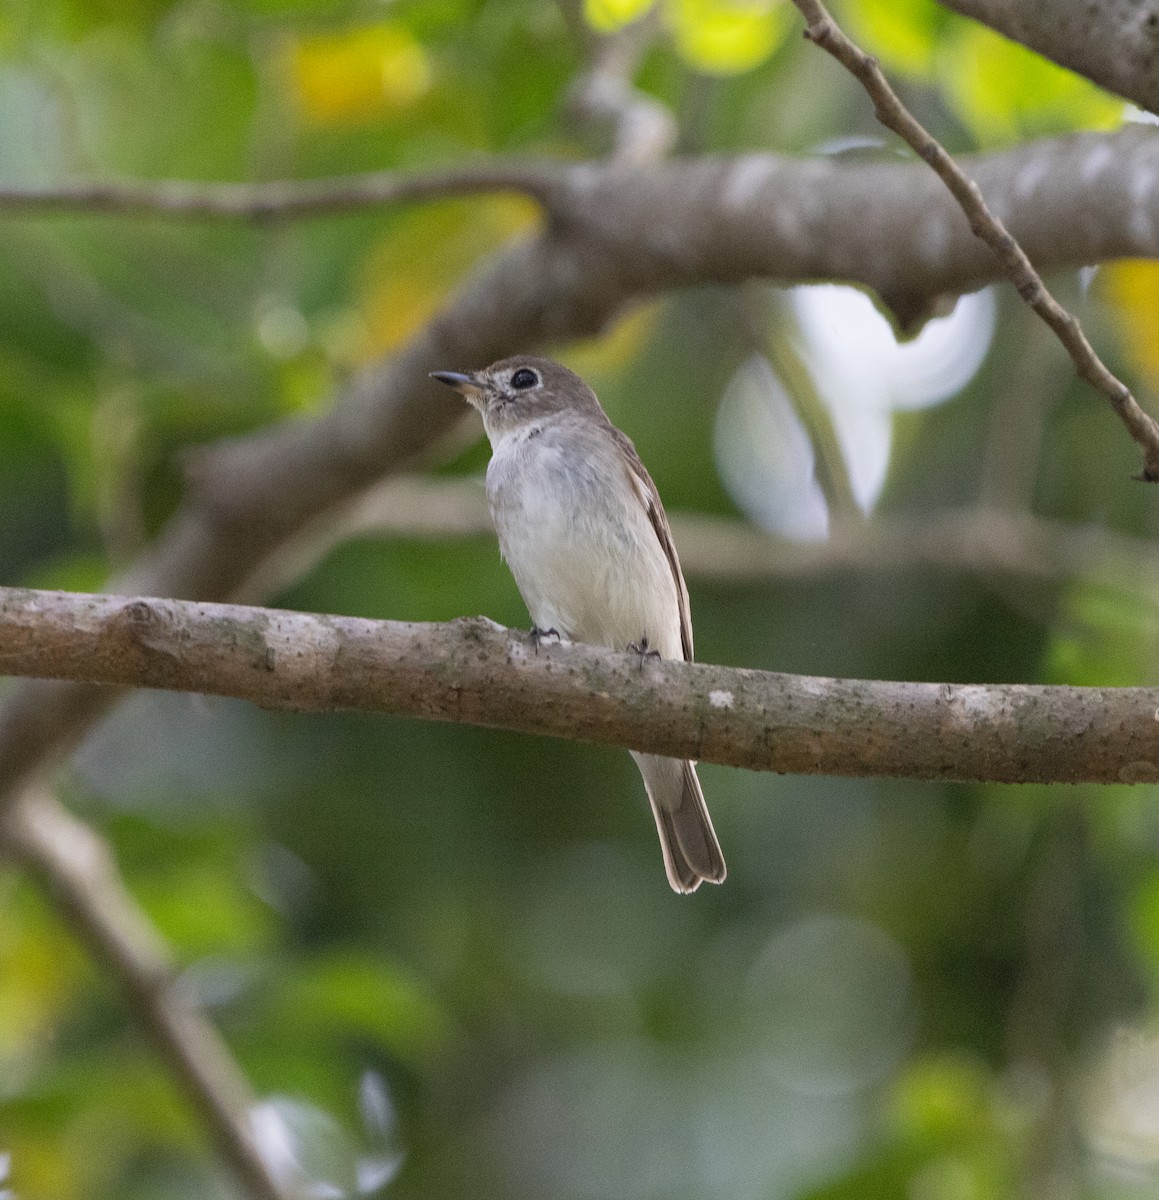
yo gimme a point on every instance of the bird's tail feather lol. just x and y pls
(691, 852)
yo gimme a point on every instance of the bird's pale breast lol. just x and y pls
(579, 540)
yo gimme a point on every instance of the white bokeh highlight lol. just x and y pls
(862, 375)
(765, 457)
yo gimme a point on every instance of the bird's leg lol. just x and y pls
(542, 635)
(643, 650)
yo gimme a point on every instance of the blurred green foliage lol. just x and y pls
(448, 957)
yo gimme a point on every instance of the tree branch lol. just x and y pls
(986, 539)
(1113, 43)
(889, 110)
(890, 225)
(278, 200)
(476, 672)
(78, 868)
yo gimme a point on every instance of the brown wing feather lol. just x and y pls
(650, 497)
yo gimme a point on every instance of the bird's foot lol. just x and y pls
(643, 650)
(538, 635)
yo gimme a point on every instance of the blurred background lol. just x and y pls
(447, 958)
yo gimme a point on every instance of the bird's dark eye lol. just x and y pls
(523, 379)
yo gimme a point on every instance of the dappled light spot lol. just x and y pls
(361, 74)
(862, 375)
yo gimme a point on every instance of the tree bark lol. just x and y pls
(475, 672)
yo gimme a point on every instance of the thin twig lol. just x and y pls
(281, 200)
(762, 318)
(889, 110)
(78, 868)
(475, 672)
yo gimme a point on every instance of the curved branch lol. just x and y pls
(641, 128)
(77, 867)
(479, 673)
(1114, 43)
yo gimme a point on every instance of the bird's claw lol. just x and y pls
(643, 650)
(543, 635)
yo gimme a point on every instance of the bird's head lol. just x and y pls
(517, 391)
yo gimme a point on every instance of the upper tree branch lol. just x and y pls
(475, 671)
(890, 225)
(822, 29)
(1115, 43)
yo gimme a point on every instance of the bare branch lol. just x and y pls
(78, 868)
(727, 550)
(890, 225)
(821, 29)
(1112, 42)
(279, 201)
(477, 672)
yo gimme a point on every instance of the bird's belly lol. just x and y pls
(585, 556)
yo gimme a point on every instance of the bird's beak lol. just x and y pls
(466, 385)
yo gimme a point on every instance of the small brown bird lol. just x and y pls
(582, 528)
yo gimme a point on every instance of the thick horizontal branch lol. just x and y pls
(889, 224)
(1112, 42)
(476, 672)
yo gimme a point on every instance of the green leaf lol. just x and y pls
(1104, 639)
(942, 1101)
(354, 995)
(1004, 91)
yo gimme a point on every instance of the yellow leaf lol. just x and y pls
(1131, 288)
(40, 978)
(607, 16)
(613, 349)
(424, 256)
(361, 74)
(726, 37)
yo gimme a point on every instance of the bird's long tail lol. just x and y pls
(691, 851)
